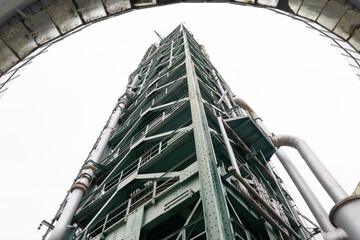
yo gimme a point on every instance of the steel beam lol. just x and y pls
(217, 224)
(134, 224)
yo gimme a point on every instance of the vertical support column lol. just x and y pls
(134, 224)
(217, 224)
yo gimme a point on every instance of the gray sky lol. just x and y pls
(52, 115)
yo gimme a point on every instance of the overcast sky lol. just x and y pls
(52, 115)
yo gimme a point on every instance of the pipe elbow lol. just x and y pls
(243, 104)
(286, 140)
(337, 234)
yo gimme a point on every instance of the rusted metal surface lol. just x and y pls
(116, 6)
(331, 14)
(41, 26)
(144, 3)
(50, 20)
(7, 57)
(355, 39)
(348, 24)
(19, 39)
(312, 9)
(91, 9)
(64, 15)
(8, 8)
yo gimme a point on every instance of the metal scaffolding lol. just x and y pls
(163, 166)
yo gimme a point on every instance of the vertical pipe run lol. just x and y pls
(228, 146)
(310, 198)
(308, 195)
(332, 187)
(247, 149)
(346, 212)
(88, 172)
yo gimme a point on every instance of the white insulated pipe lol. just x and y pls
(78, 192)
(346, 212)
(228, 146)
(330, 232)
(333, 188)
(67, 214)
(310, 198)
(88, 172)
(329, 183)
(244, 105)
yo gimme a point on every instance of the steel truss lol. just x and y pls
(165, 172)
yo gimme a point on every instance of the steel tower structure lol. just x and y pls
(178, 159)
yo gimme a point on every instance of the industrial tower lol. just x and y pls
(178, 159)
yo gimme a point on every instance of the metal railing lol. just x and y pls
(131, 168)
(158, 186)
(226, 114)
(157, 98)
(139, 198)
(124, 147)
(108, 222)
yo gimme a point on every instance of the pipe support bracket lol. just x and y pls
(79, 185)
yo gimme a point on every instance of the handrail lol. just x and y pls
(133, 167)
(146, 106)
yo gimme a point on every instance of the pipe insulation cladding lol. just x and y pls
(88, 172)
(337, 192)
(331, 186)
(346, 212)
